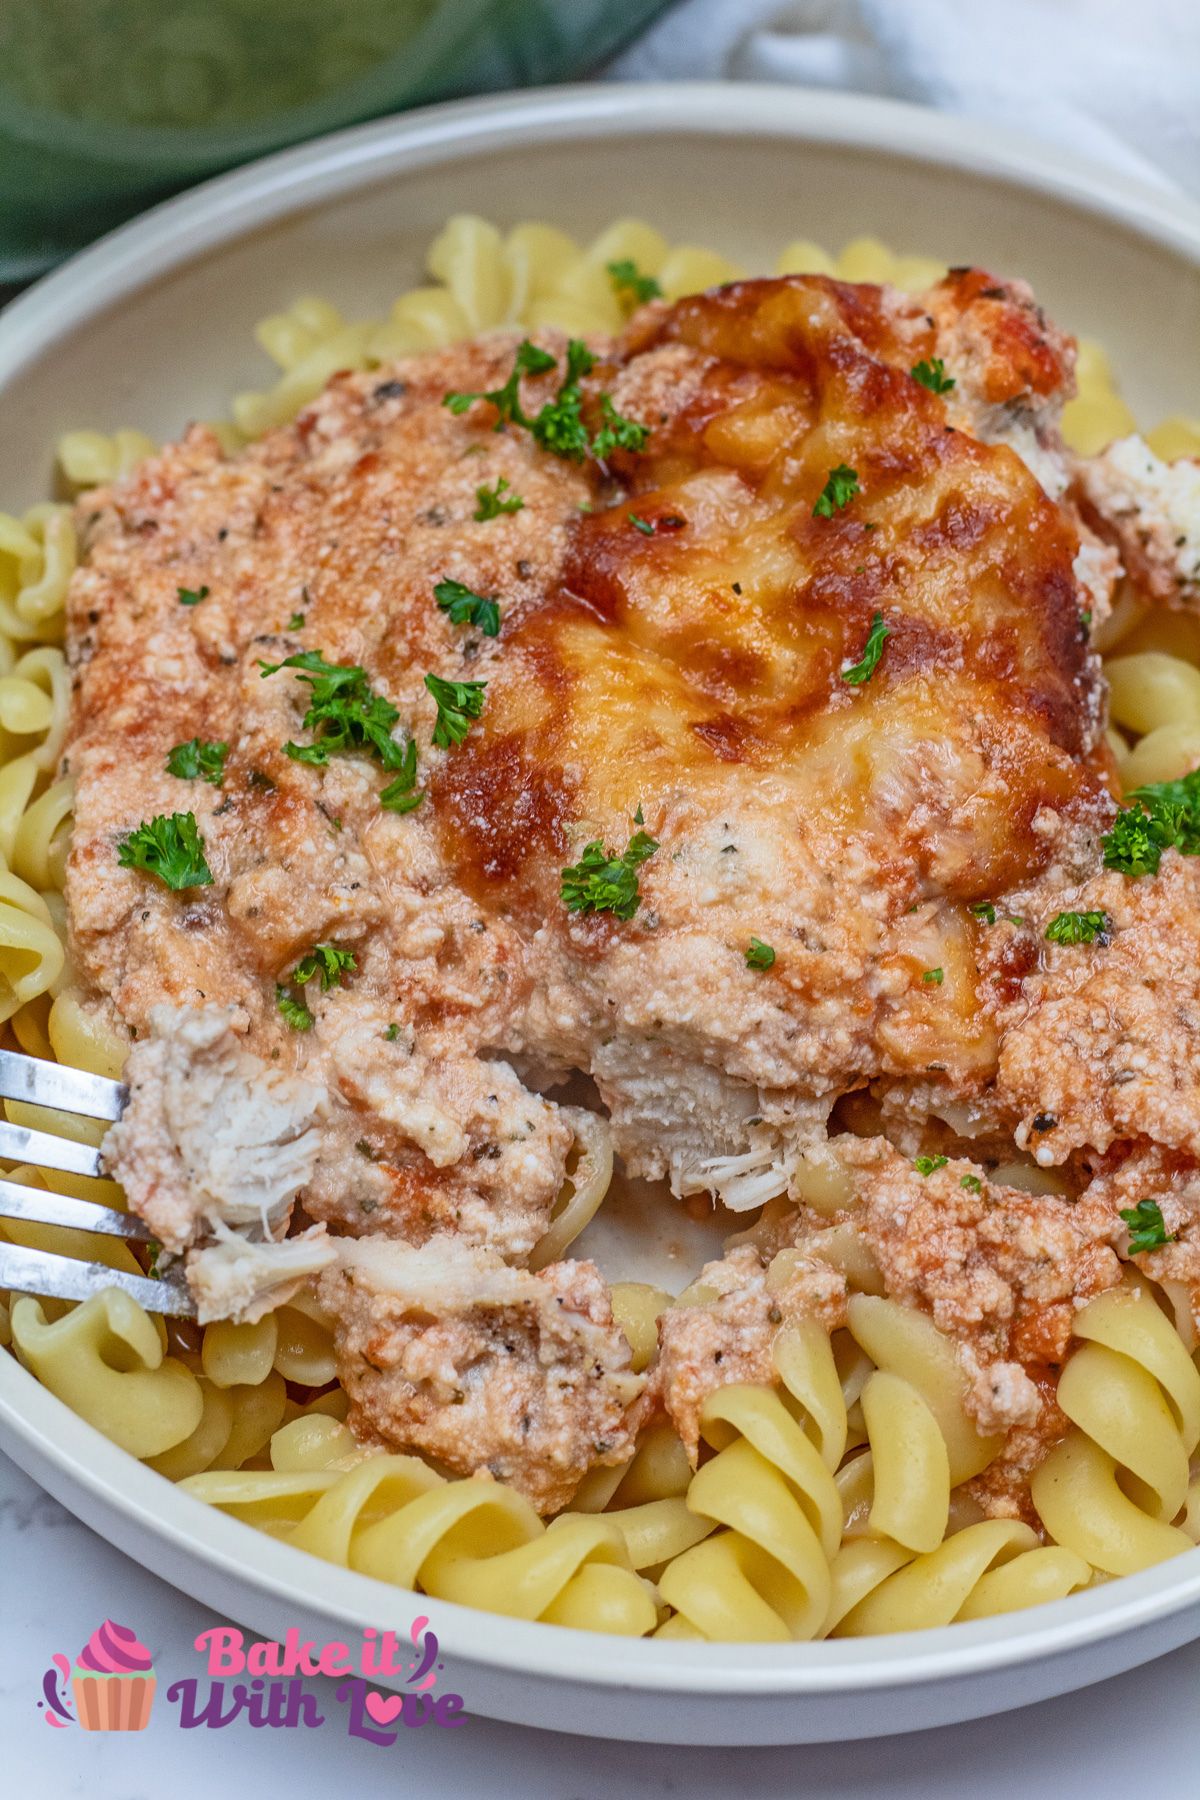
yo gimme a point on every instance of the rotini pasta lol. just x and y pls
(830, 1504)
(476, 1542)
(1112, 1489)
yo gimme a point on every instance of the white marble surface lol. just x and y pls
(1140, 1733)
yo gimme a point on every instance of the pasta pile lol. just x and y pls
(826, 1506)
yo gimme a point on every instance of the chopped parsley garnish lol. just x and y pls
(465, 607)
(296, 622)
(402, 795)
(617, 433)
(191, 596)
(839, 490)
(866, 666)
(933, 977)
(507, 399)
(640, 524)
(170, 848)
(1079, 927)
(490, 502)
(932, 375)
(346, 717)
(1161, 816)
(599, 882)
(759, 955)
(198, 760)
(580, 362)
(392, 1033)
(559, 426)
(458, 702)
(327, 961)
(294, 1011)
(627, 278)
(925, 1165)
(972, 1184)
(1147, 1227)
(985, 911)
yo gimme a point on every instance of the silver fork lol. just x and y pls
(40, 1271)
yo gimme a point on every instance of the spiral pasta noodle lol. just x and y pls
(829, 1504)
(1112, 1489)
(475, 1542)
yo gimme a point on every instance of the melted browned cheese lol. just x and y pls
(711, 652)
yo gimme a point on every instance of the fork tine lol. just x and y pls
(17, 1202)
(19, 1143)
(53, 1084)
(39, 1272)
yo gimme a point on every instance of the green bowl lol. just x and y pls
(109, 105)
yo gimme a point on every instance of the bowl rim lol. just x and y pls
(181, 229)
(32, 1417)
(175, 234)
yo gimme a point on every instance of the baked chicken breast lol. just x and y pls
(742, 766)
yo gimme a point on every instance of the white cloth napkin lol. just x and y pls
(1117, 80)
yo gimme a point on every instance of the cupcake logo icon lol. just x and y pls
(109, 1687)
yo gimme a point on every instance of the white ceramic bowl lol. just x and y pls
(153, 326)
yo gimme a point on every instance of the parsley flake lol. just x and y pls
(465, 607)
(1163, 815)
(296, 622)
(1147, 1227)
(926, 1165)
(580, 362)
(559, 426)
(984, 911)
(529, 360)
(392, 1033)
(600, 882)
(627, 279)
(191, 596)
(840, 489)
(617, 432)
(294, 1011)
(640, 524)
(759, 955)
(932, 375)
(866, 666)
(198, 760)
(458, 702)
(933, 977)
(490, 502)
(402, 795)
(327, 961)
(972, 1184)
(1079, 928)
(170, 848)
(346, 717)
